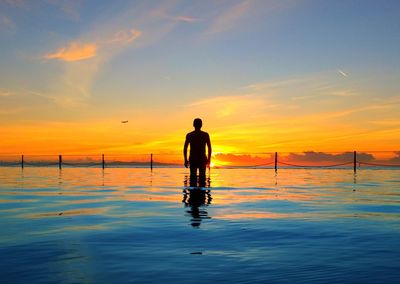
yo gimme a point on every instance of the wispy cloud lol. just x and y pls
(386, 122)
(345, 112)
(327, 94)
(229, 17)
(7, 23)
(343, 93)
(267, 85)
(164, 12)
(26, 92)
(14, 110)
(69, 8)
(4, 93)
(125, 36)
(75, 51)
(231, 106)
(103, 41)
(16, 3)
(73, 87)
(186, 19)
(21, 100)
(317, 87)
(83, 61)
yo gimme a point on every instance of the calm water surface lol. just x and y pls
(250, 226)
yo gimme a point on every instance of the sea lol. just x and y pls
(136, 225)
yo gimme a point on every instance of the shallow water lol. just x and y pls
(250, 226)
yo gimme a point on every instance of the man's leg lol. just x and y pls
(193, 175)
(202, 175)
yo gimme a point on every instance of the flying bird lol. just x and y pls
(124, 121)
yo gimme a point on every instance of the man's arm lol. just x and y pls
(208, 150)
(185, 151)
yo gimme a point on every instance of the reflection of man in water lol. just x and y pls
(197, 140)
(195, 198)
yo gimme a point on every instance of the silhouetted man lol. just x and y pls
(197, 140)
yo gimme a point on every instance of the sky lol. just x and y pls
(265, 76)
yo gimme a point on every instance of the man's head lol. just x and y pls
(197, 123)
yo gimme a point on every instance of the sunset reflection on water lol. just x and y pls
(153, 213)
(237, 193)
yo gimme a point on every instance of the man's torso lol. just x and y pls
(197, 141)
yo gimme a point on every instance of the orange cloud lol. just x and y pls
(74, 52)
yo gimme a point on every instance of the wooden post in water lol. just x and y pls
(355, 161)
(276, 161)
(102, 161)
(151, 161)
(59, 161)
(22, 161)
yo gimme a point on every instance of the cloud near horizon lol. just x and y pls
(75, 51)
(311, 156)
(243, 159)
(396, 158)
(303, 158)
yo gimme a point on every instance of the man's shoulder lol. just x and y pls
(190, 135)
(197, 134)
(204, 133)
